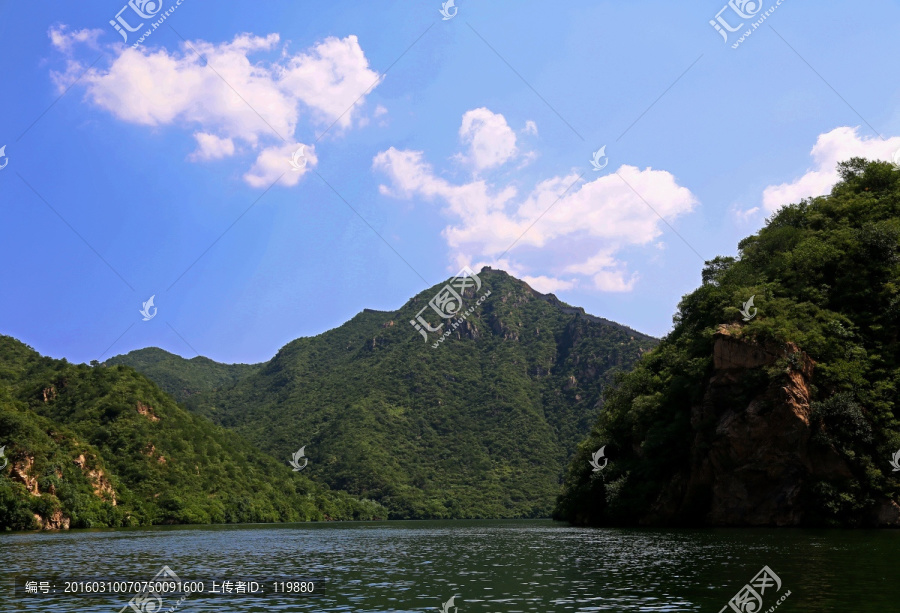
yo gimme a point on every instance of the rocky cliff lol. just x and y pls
(760, 453)
(774, 399)
(753, 460)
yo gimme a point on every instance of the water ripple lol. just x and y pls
(489, 566)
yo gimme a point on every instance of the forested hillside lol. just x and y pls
(785, 414)
(104, 446)
(182, 378)
(480, 426)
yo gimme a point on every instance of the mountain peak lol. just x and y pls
(443, 420)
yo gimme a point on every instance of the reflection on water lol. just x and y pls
(490, 566)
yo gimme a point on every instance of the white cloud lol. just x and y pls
(607, 274)
(491, 141)
(239, 100)
(63, 80)
(530, 127)
(542, 283)
(743, 216)
(211, 147)
(580, 227)
(614, 281)
(331, 79)
(601, 260)
(839, 145)
(158, 88)
(64, 40)
(275, 162)
(549, 285)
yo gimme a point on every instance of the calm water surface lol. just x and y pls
(490, 566)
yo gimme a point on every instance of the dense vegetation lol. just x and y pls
(825, 274)
(182, 378)
(104, 446)
(481, 426)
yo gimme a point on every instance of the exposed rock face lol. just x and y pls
(752, 454)
(21, 472)
(146, 411)
(102, 486)
(57, 521)
(467, 329)
(502, 329)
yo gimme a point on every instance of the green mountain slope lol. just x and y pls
(104, 446)
(481, 426)
(801, 401)
(181, 378)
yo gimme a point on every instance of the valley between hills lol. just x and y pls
(785, 418)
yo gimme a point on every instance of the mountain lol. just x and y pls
(182, 378)
(783, 414)
(104, 446)
(479, 424)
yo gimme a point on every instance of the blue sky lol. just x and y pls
(429, 143)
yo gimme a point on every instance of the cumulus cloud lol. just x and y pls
(542, 283)
(744, 216)
(491, 141)
(64, 40)
(582, 225)
(839, 145)
(211, 147)
(275, 162)
(606, 273)
(615, 281)
(330, 78)
(242, 102)
(549, 285)
(66, 78)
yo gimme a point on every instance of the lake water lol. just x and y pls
(489, 566)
